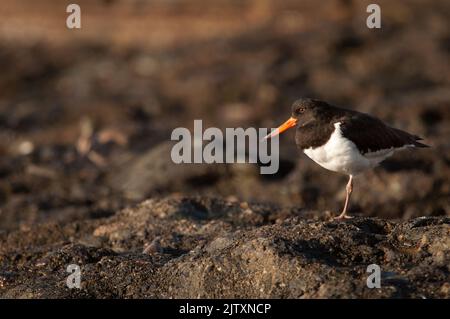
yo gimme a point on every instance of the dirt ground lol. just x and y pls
(85, 171)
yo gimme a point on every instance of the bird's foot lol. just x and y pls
(342, 216)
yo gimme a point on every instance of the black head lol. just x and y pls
(303, 111)
(307, 110)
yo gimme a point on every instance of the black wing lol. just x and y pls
(370, 134)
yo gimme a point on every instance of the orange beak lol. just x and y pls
(283, 127)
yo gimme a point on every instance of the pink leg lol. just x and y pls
(349, 189)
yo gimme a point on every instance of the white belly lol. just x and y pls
(341, 155)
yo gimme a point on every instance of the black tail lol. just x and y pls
(409, 139)
(418, 144)
(416, 139)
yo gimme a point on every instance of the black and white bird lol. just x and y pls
(342, 140)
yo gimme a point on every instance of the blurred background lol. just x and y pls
(86, 115)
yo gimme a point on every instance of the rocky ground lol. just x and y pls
(85, 169)
(210, 248)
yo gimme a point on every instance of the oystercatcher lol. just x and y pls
(342, 140)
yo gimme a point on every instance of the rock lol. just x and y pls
(155, 171)
(210, 248)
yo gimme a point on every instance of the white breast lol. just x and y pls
(341, 155)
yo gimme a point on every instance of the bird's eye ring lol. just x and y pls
(300, 110)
